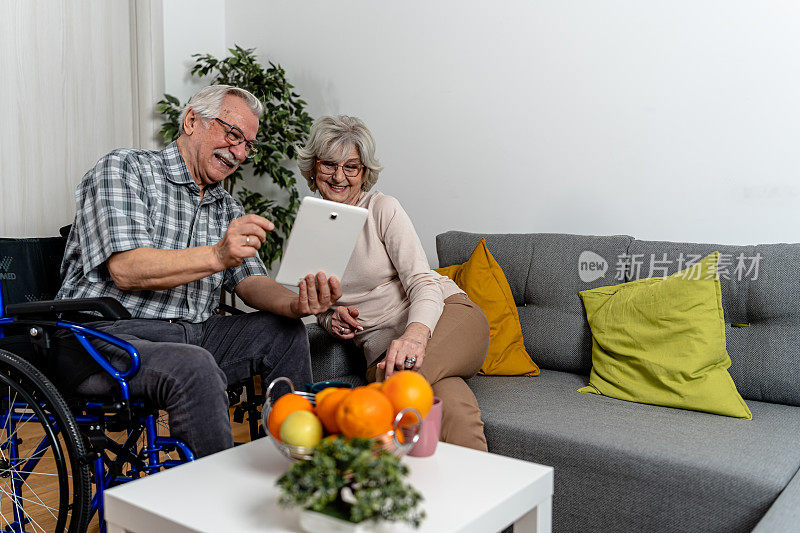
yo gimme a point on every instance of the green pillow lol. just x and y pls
(662, 341)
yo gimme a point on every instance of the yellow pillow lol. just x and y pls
(662, 341)
(486, 285)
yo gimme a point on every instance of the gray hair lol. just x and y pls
(330, 139)
(208, 101)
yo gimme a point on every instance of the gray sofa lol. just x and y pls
(622, 466)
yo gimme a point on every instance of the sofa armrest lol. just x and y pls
(334, 359)
(784, 513)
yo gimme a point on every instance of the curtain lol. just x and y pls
(80, 78)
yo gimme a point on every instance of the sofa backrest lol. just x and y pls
(761, 301)
(543, 272)
(760, 296)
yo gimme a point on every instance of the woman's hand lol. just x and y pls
(343, 322)
(408, 351)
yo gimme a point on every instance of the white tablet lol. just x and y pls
(322, 239)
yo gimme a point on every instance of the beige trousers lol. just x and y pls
(454, 353)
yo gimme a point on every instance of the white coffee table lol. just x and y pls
(235, 490)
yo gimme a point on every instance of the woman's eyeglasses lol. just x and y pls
(350, 168)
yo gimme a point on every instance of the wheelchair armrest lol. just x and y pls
(106, 306)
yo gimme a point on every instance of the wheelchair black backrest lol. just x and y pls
(30, 268)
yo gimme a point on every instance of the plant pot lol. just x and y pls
(316, 522)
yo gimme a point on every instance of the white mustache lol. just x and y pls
(226, 155)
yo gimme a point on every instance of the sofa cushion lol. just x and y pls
(765, 360)
(662, 341)
(544, 273)
(334, 359)
(784, 514)
(485, 283)
(690, 471)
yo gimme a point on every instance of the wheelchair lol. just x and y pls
(54, 444)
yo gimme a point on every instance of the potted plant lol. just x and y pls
(349, 484)
(284, 126)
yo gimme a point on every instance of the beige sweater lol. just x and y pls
(389, 279)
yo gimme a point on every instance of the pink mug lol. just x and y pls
(430, 432)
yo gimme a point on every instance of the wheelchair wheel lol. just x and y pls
(44, 481)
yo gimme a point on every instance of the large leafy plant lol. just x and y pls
(284, 126)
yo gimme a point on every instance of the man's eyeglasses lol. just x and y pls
(350, 168)
(235, 137)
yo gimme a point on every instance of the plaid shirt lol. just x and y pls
(135, 198)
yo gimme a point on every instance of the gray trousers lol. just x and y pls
(186, 368)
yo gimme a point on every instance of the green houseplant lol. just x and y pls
(349, 479)
(284, 126)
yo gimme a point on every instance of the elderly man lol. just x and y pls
(157, 231)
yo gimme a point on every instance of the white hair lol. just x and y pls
(208, 101)
(331, 139)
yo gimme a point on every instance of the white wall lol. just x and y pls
(79, 79)
(190, 27)
(664, 120)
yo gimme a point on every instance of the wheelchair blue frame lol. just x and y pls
(154, 444)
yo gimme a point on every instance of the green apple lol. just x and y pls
(301, 428)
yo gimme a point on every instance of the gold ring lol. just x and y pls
(247, 240)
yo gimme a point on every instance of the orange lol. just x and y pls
(283, 407)
(324, 392)
(326, 409)
(365, 412)
(408, 388)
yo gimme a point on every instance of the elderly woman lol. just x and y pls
(399, 311)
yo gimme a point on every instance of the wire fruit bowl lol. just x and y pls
(388, 441)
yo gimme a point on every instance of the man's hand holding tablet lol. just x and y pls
(315, 292)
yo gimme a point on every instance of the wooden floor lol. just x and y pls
(42, 518)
